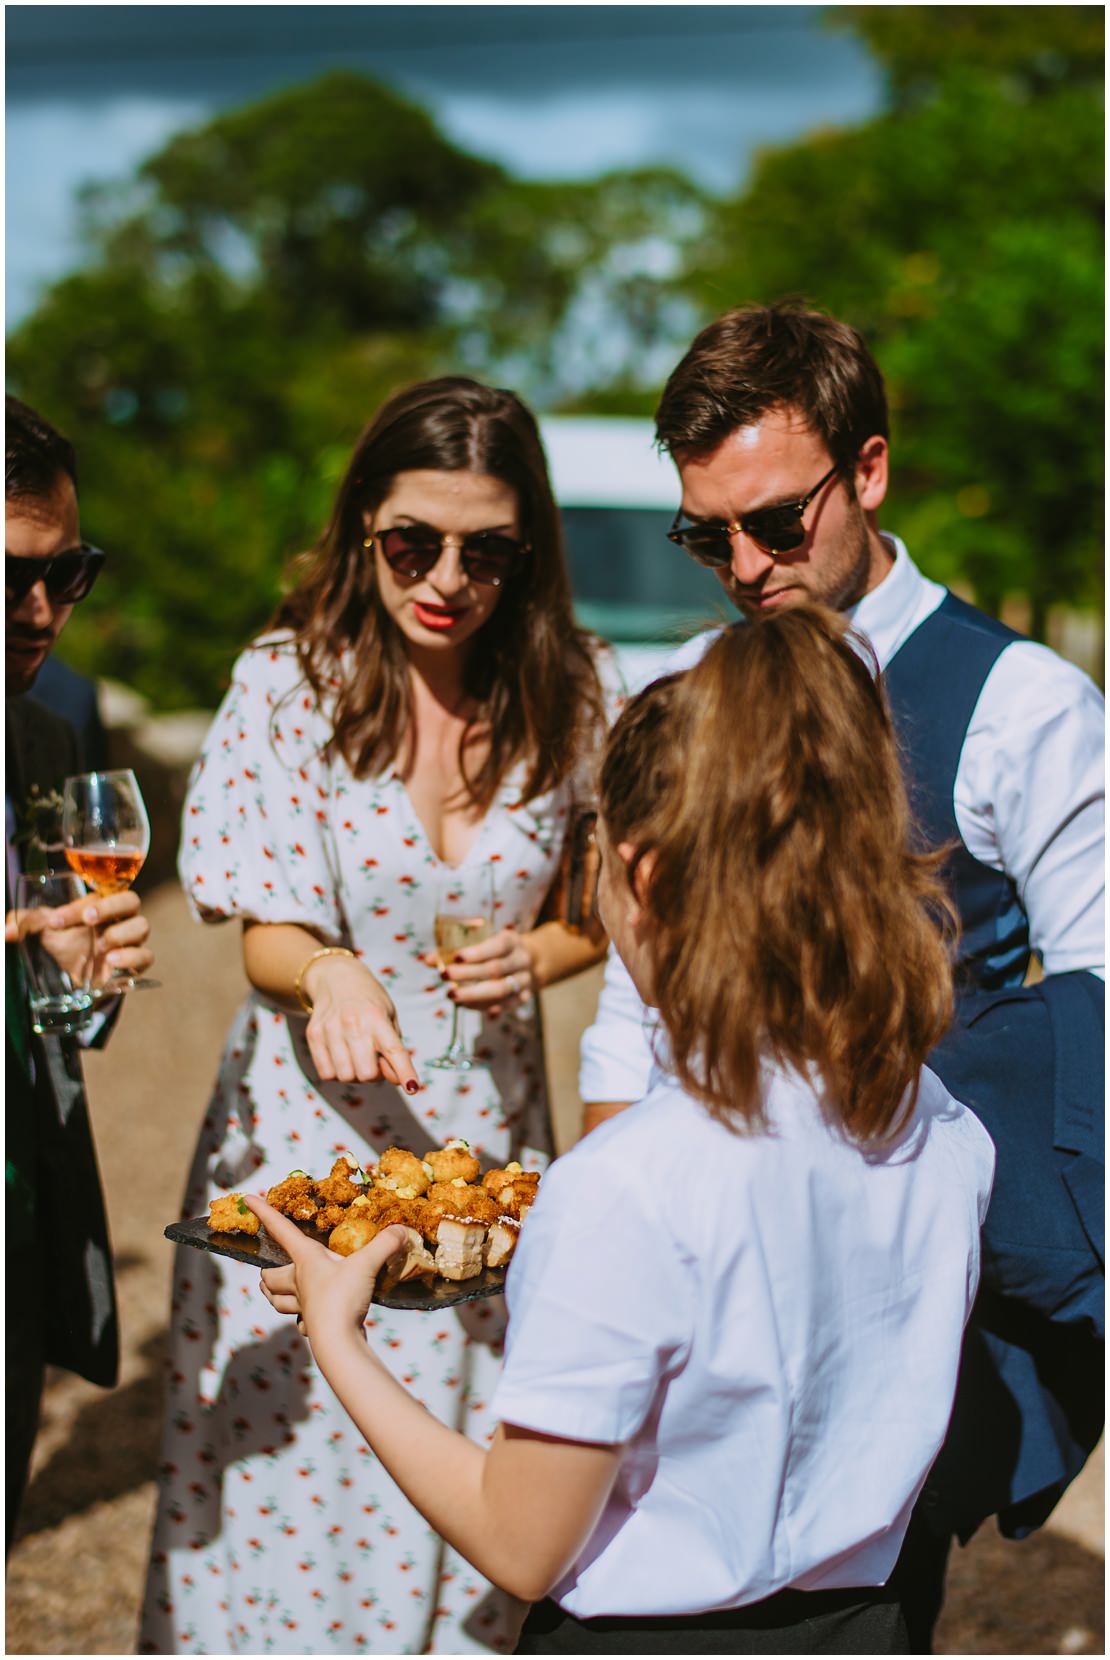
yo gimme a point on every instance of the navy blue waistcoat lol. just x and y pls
(1028, 1061)
(933, 684)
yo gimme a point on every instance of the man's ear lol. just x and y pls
(872, 473)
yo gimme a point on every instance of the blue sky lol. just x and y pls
(548, 91)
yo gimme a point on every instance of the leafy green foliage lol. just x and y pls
(271, 275)
(961, 232)
(270, 278)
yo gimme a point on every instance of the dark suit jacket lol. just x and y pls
(72, 696)
(68, 1240)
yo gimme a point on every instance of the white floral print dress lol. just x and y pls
(277, 1530)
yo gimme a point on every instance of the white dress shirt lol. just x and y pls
(770, 1323)
(1029, 800)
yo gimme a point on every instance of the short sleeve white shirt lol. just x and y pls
(1029, 799)
(769, 1323)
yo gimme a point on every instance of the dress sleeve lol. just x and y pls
(600, 1299)
(256, 837)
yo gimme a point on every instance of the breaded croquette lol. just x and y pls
(453, 1161)
(472, 1204)
(495, 1180)
(353, 1233)
(328, 1217)
(447, 1193)
(375, 1202)
(403, 1172)
(229, 1214)
(515, 1199)
(358, 1228)
(296, 1186)
(339, 1188)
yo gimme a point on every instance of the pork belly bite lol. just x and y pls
(459, 1255)
(412, 1263)
(501, 1243)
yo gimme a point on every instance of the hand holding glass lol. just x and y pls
(464, 916)
(57, 962)
(106, 838)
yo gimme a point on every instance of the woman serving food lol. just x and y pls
(410, 741)
(735, 1310)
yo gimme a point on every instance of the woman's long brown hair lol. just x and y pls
(531, 675)
(789, 917)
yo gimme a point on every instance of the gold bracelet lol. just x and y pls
(325, 951)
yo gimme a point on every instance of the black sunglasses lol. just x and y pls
(487, 556)
(68, 576)
(777, 529)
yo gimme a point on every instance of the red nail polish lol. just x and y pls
(411, 1088)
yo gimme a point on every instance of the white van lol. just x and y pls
(618, 497)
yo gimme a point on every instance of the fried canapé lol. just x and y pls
(356, 1230)
(494, 1180)
(343, 1185)
(519, 1195)
(403, 1172)
(375, 1202)
(294, 1196)
(329, 1216)
(454, 1161)
(229, 1214)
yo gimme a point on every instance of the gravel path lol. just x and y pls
(75, 1575)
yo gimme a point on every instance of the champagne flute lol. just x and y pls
(464, 916)
(106, 838)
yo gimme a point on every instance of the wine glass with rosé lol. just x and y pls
(464, 916)
(106, 838)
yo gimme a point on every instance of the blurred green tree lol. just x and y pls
(961, 231)
(250, 299)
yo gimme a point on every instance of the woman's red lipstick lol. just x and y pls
(435, 616)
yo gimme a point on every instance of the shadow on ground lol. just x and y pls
(111, 1449)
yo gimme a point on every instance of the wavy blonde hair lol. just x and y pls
(789, 915)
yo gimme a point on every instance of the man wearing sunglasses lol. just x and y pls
(776, 419)
(60, 1297)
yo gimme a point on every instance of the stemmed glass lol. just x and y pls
(464, 916)
(106, 838)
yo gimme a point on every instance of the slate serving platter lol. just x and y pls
(260, 1251)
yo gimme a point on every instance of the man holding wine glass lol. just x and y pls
(56, 1231)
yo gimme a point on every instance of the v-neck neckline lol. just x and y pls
(445, 864)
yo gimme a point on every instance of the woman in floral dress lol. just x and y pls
(425, 706)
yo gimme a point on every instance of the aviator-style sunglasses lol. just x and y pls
(487, 556)
(776, 529)
(68, 576)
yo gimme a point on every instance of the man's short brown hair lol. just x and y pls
(758, 358)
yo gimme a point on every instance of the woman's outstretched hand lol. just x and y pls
(494, 975)
(353, 1034)
(326, 1292)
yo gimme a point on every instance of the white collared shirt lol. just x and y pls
(771, 1324)
(1029, 800)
